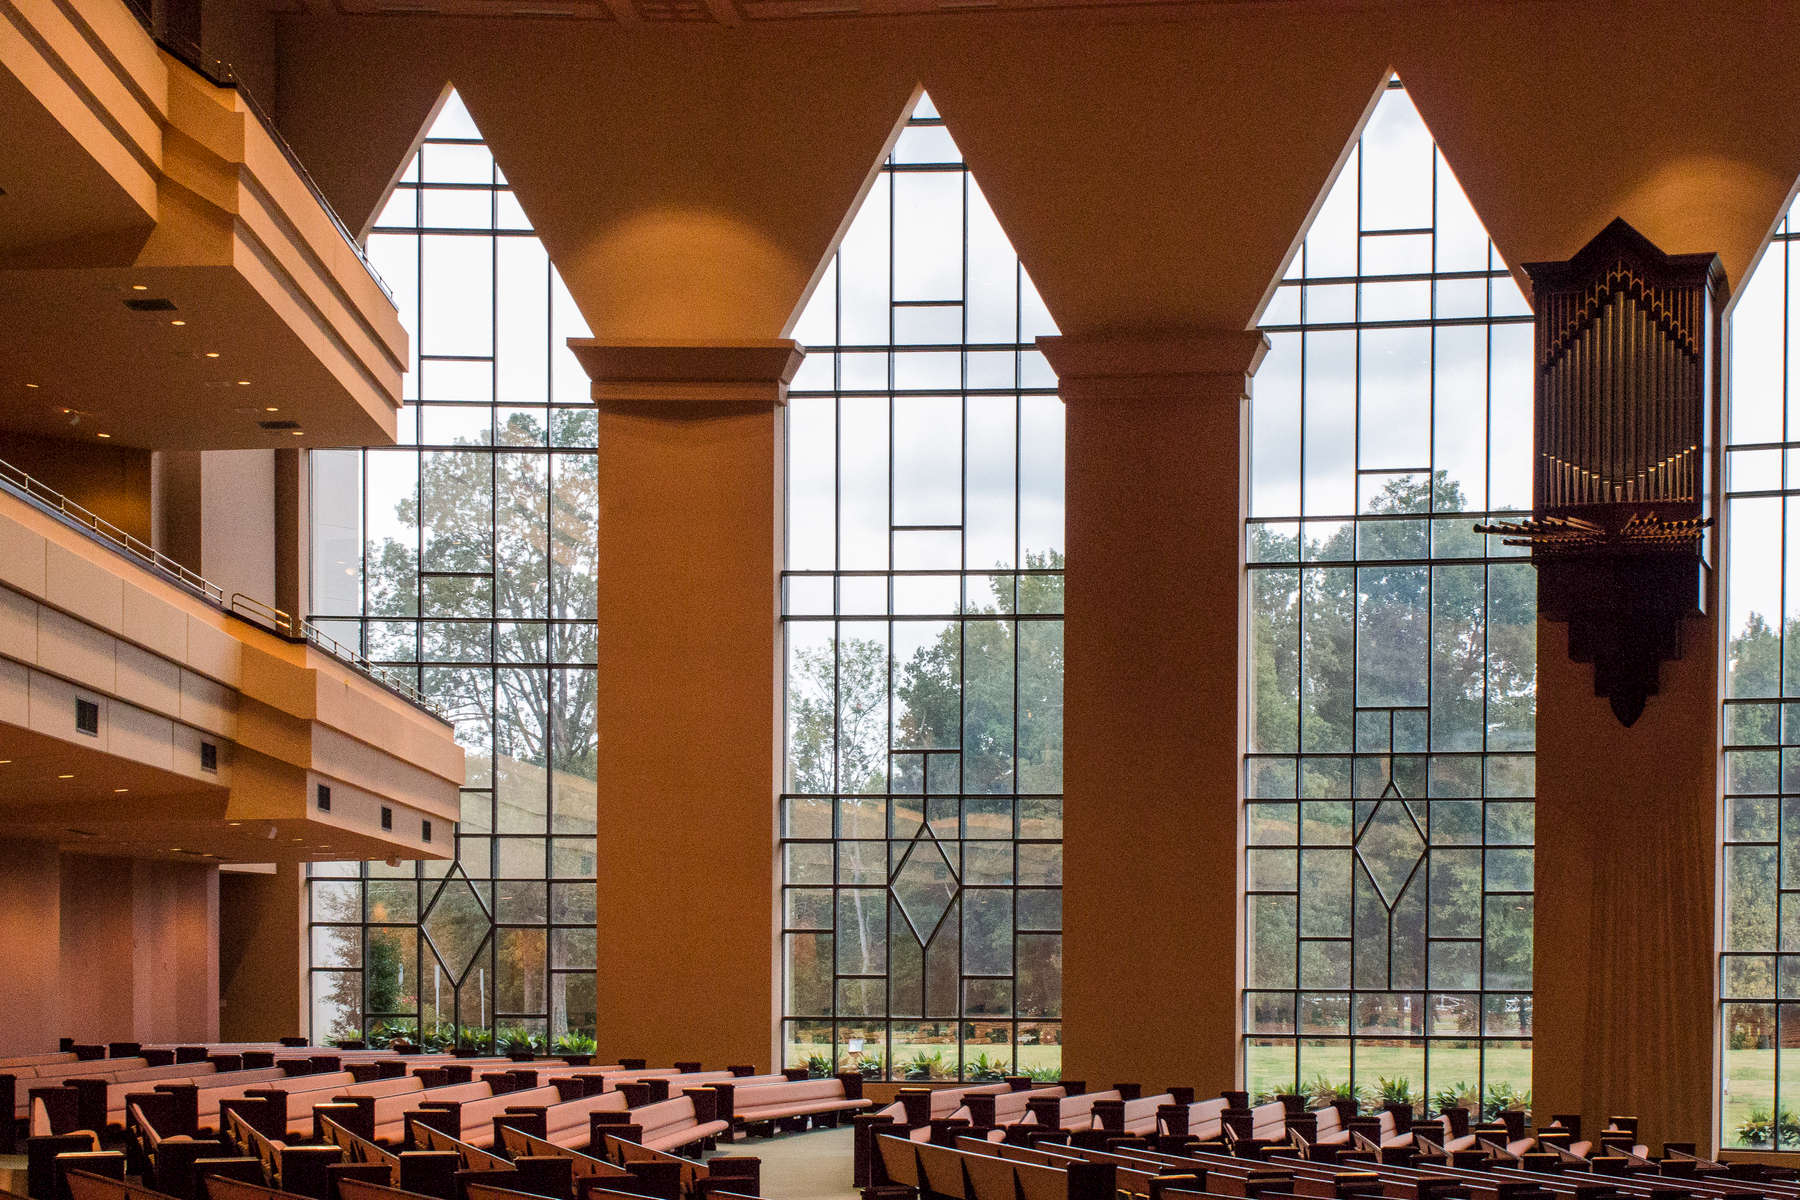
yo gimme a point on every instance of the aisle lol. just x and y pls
(803, 1166)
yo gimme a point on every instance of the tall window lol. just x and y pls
(1760, 966)
(1392, 650)
(921, 818)
(465, 558)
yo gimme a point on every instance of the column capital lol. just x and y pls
(1124, 366)
(637, 371)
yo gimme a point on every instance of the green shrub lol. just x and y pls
(1457, 1095)
(1754, 1130)
(1321, 1090)
(1044, 1074)
(573, 1043)
(1502, 1098)
(1396, 1091)
(982, 1069)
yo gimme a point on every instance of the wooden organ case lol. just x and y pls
(1623, 495)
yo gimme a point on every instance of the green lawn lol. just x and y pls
(1272, 1068)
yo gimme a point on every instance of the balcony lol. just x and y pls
(169, 276)
(145, 713)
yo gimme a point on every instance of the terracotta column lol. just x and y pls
(1627, 854)
(1157, 431)
(690, 465)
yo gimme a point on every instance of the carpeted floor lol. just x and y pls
(803, 1166)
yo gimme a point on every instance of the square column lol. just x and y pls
(1626, 907)
(689, 700)
(1153, 716)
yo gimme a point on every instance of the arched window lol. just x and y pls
(1759, 973)
(921, 815)
(1392, 650)
(464, 558)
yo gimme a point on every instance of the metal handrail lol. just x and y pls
(283, 624)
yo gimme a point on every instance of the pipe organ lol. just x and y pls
(1627, 363)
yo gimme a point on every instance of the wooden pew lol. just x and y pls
(903, 1167)
(669, 1125)
(793, 1103)
(689, 1177)
(537, 1175)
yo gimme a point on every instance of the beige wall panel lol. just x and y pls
(154, 623)
(82, 586)
(1623, 1004)
(237, 549)
(138, 735)
(175, 951)
(686, 723)
(21, 558)
(18, 626)
(76, 651)
(146, 680)
(53, 706)
(31, 895)
(99, 966)
(207, 705)
(262, 952)
(15, 694)
(212, 652)
(186, 757)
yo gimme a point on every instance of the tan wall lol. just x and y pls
(687, 731)
(30, 897)
(1627, 853)
(111, 482)
(99, 966)
(105, 949)
(262, 953)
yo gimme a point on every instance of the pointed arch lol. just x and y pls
(1391, 652)
(464, 558)
(921, 805)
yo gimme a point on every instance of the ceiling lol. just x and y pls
(83, 799)
(711, 12)
(205, 374)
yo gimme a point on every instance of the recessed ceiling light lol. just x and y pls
(140, 287)
(243, 383)
(4, 761)
(212, 354)
(32, 385)
(103, 435)
(178, 322)
(65, 777)
(272, 408)
(116, 791)
(299, 433)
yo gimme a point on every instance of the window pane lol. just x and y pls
(495, 549)
(924, 737)
(1388, 657)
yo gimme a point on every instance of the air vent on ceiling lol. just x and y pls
(279, 424)
(150, 304)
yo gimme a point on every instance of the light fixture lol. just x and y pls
(116, 791)
(107, 435)
(140, 287)
(243, 383)
(65, 777)
(4, 761)
(212, 354)
(178, 322)
(299, 433)
(33, 385)
(271, 408)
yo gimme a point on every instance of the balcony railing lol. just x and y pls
(286, 626)
(220, 73)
